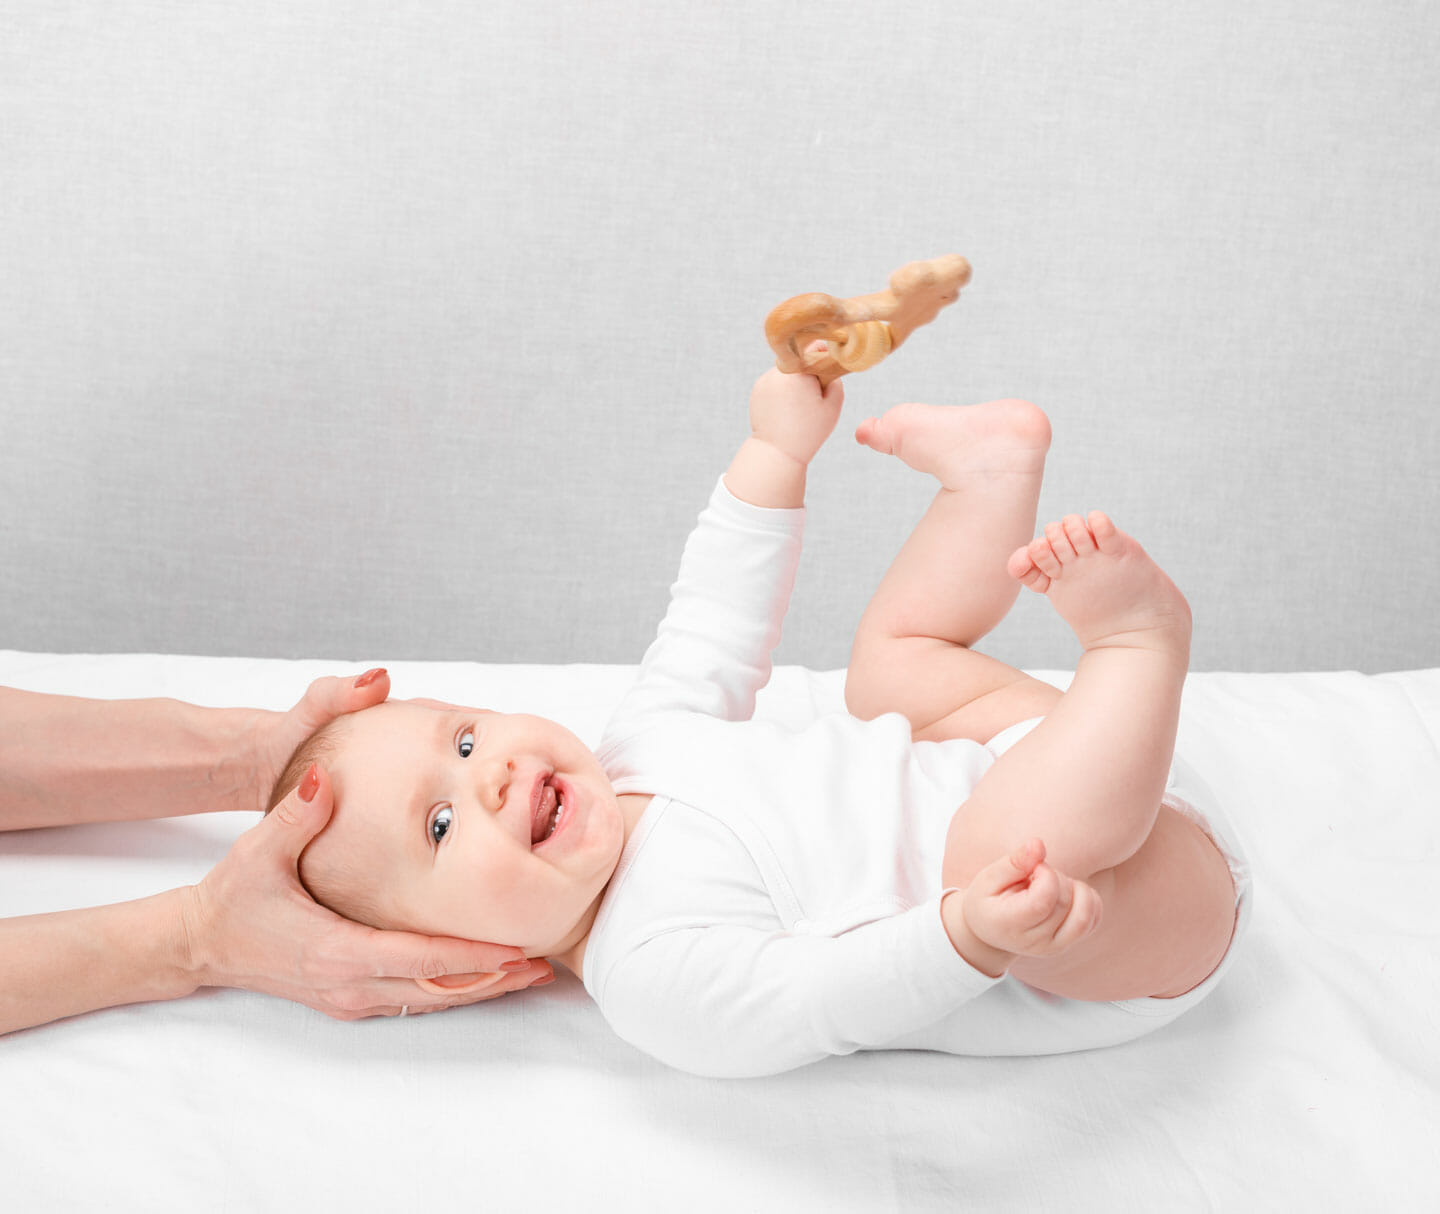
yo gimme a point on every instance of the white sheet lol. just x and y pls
(1311, 1079)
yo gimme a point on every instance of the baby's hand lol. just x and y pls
(792, 414)
(1021, 906)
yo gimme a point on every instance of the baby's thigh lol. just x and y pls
(988, 715)
(945, 690)
(1168, 916)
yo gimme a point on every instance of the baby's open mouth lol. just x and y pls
(548, 808)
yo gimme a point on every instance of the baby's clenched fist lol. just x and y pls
(792, 414)
(1019, 906)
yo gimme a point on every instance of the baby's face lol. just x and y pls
(448, 815)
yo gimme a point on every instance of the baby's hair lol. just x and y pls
(336, 887)
(320, 745)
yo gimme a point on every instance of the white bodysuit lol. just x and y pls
(780, 898)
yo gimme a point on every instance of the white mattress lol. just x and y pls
(1310, 1080)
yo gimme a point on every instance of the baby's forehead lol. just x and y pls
(397, 720)
(381, 757)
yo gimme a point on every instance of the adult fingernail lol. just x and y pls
(369, 677)
(310, 785)
(511, 967)
(545, 981)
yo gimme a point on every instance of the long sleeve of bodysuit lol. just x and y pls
(739, 998)
(734, 1001)
(711, 653)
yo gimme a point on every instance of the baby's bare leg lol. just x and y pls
(948, 586)
(1088, 780)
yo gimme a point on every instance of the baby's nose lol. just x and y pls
(497, 779)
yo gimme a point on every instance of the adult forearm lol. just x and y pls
(62, 964)
(65, 759)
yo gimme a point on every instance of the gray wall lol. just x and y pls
(422, 330)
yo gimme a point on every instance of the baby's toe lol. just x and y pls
(1104, 531)
(1079, 534)
(1044, 557)
(1023, 570)
(1060, 543)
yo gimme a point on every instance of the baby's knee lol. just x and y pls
(862, 700)
(865, 684)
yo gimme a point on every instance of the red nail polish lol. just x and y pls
(369, 677)
(310, 785)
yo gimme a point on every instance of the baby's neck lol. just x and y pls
(632, 807)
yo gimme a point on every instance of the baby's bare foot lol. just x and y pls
(957, 443)
(1104, 585)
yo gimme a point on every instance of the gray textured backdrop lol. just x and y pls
(422, 330)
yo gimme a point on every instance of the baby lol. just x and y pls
(969, 860)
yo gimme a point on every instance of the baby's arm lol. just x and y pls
(711, 653)
(1018, 906)
(790, 419)
(731, 1000)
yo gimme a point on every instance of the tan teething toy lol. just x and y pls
(859, 332)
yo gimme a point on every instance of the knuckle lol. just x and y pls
(431, 966)
(351, 1002)
(287, 812)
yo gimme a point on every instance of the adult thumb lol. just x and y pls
(302, 813)
(330, 697)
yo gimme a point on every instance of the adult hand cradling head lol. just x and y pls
(250, 922)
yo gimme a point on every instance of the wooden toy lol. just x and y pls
(859, 332)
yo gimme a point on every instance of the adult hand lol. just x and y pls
(250, 924)
(325, 699)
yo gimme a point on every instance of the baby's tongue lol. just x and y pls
(541, 826)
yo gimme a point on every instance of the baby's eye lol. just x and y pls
(465, 744)
(441, 823)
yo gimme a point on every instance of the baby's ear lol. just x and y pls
(457, 984)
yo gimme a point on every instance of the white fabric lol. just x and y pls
(1309, 1080)
(780, 899)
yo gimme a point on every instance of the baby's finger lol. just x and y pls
(1044, 897)
(1028, 856)
(1086, 911)
(1010, 871)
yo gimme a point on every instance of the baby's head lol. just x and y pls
(461, 822)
